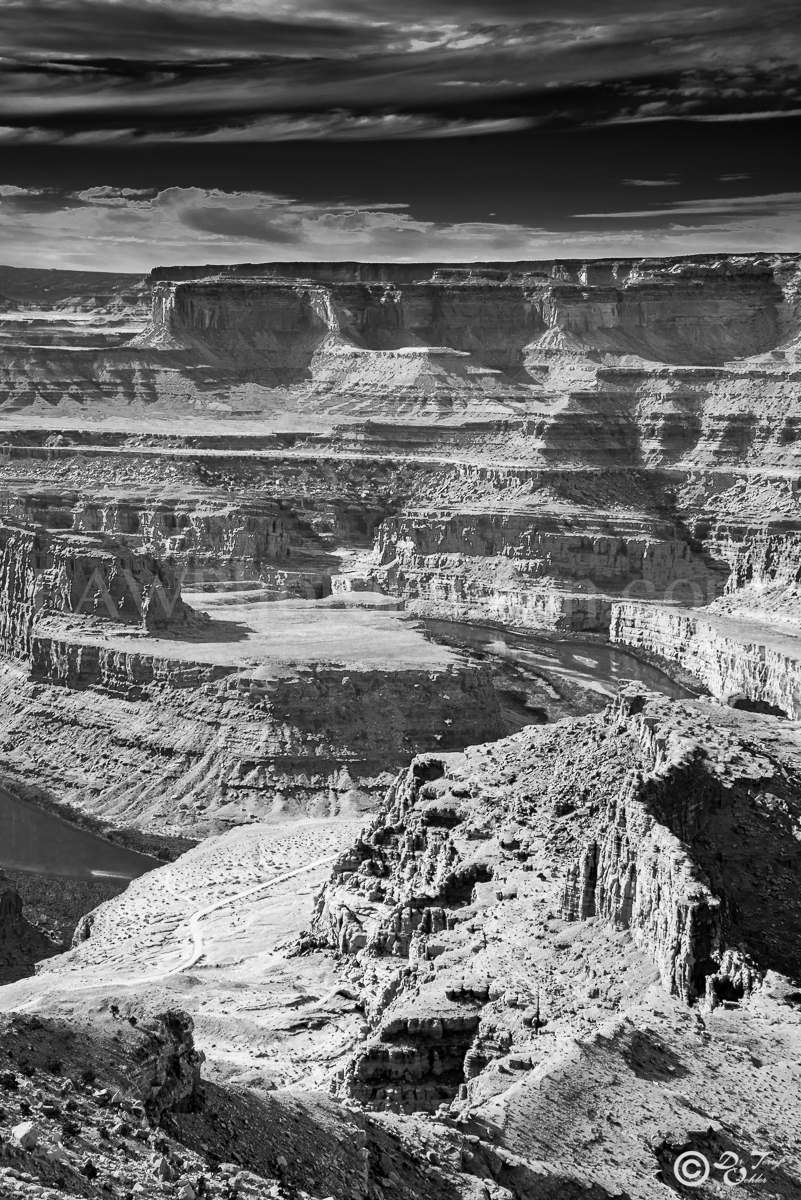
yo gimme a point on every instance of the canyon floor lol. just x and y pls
(414, 652)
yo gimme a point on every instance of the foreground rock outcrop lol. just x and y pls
(510, 911)
(652, 797)
(549, 966)
(114, 1105)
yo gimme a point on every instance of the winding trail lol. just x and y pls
(193, 924)
(195, 933)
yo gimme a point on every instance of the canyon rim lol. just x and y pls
(400, 601)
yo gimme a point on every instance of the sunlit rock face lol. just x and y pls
(604, 449)
(489, 880)
(45, 575)
(693, 312)
(227, 496)
(742, 662)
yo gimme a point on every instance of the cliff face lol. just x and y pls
(740, 661)
(766, 559)
(42, 575)
(685, 313)
(578, 946)
(199, 543)
(21, 943)
(626, 369)
(681, 314)
(764, 586)
(279, 327)
(222, 721)
(672, 353)
(666, 368)
(508, 564)
(539, 444)
(186, 747)
(18, 589)
(230, 533)
(654, 819)
(546, 550)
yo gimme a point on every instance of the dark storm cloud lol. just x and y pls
(250, 226)
(115, 70)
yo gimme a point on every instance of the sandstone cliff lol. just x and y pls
(536, 444)
(527, 440)
(199, 741)
(741, 662)
(555, 961)
(653, 818)
(44, 575)
(696, 310)
(505, 904)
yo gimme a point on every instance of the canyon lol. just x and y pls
(312, 576)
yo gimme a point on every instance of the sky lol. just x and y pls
(136, 133)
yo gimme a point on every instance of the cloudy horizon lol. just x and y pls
(139, 134)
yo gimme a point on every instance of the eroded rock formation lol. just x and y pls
(212, 734)
(21, 942)
(46, 576)
(655, 818)
(702, 310)
(603, 447)
(559, 959)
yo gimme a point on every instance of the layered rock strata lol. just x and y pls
(526, 571)
(697, 311)
(534, 444)
(210, 733)
(575, 950)
(548, 967)
(157, 748)
(739, 661)
(45, 576)
(654, 819)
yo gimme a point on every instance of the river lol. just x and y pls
(541, 678)
(36, 840)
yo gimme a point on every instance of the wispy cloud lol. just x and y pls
(713, 206)
(652, 183)
(562, 94)
(339, 126)
(121, 70)
(139, 229)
